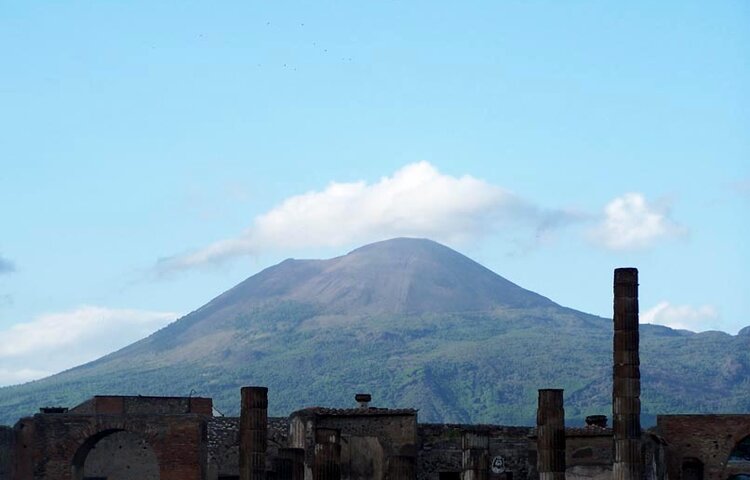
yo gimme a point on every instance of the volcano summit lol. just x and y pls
(413, 322)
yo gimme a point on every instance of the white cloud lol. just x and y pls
(54, 342)
(630, 222)
(416, 200)
(684, 317)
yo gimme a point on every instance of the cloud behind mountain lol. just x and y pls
(415, 201)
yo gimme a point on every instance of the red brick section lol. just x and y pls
(109, 405)
(202, 406)
(120, 405)
(708, 438)
(49, 446)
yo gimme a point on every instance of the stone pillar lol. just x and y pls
(476, 456)
(626, 387)
(253, 433)
(550, 435)
(290, 464)
(401, 467)
(327, 461)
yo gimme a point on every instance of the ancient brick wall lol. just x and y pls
(588, 454)
(223, 447)
(122, 456)
(137, 405)
(397, 433)
(440, 450)
(46, 445)
(709, 439)
(368, 440)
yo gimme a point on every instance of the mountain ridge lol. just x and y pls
(415, 323)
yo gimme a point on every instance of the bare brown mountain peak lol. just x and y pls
(401, 275)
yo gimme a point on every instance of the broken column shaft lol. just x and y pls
(253, 433)
(327, 460)
(550, 440)
(626, 385)
(476, 456)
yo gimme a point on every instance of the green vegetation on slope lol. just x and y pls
(468, 367)
(417, 325)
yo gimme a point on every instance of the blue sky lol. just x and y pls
(152, 156)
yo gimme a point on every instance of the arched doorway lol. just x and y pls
(692, 469)
(738, 462)
(741, 452)
(115, 455)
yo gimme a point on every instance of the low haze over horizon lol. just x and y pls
(155, 155)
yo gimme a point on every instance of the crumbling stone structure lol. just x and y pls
(327, 454)
(373, 442)
(443, 452)
(476, 456)
(59, 445)
(183, 441)
(706, 447)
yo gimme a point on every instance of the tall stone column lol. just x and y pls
(550, 436)
(626, 387)
(327, 461)
(253, 433)
(476, 456)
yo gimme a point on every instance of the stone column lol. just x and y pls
(290, 464)
(550, 435)
(476, 456)
(253, 432)
(327, 461)
(401, 467)
(626, 387)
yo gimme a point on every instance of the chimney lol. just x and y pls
(53, 410)
(626, 385)
(596, 421)
(253, 432)
(550, 436)
(363, 399)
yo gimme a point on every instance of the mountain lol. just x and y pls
(417, 325)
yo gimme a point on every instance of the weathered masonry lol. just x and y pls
(152, 438)
(178, 438)
(114, 437)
